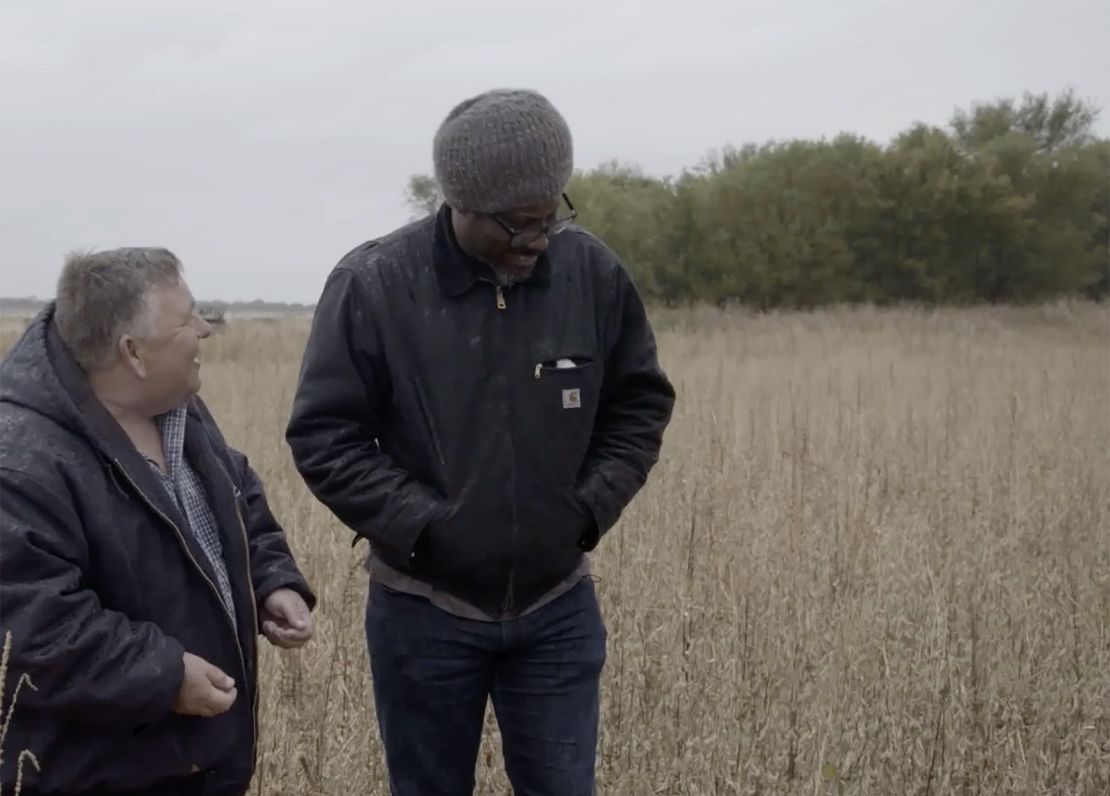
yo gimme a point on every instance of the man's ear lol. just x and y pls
(129, 353)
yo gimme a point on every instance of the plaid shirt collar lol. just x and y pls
(172, 427)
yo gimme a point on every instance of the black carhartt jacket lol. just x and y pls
(506, 428)
(103, 588)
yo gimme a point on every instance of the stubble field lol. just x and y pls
(873, 559)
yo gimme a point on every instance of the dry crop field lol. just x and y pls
(874, 558)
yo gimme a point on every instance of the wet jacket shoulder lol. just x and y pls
(505, 428)
(103, 588)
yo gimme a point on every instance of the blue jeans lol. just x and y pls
(433, 673)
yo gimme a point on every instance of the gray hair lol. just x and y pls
(104, 295)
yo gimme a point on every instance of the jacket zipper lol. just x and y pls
(508, 602)
(254, 623)
(211, 585)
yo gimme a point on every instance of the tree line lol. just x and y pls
(1009, 203)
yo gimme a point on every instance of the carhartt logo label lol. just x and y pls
(572, 399)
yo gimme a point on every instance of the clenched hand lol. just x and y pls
(286, 620)
(205, 690)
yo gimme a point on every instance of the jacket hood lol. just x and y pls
(40, 375)
(29, 378)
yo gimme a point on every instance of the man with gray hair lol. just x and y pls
(480, 398)
(141, 560)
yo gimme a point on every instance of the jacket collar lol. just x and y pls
(457, 271)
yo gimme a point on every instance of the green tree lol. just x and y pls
(631, 212)
(1009, 203)
(423, 195)
(1052, 123)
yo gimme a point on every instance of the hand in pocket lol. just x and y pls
(588, 532)
(427, 544)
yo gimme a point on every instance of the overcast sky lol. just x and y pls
(261, 141)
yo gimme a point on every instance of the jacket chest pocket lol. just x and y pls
(563, 400)
(568, 383)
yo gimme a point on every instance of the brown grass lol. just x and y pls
(25, 758)
(875, 558)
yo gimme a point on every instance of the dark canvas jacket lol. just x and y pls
(103, 588)
(505, 428)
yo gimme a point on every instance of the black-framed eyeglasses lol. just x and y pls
(519, 238)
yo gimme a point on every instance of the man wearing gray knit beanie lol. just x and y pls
(481, 398)
(503, 153)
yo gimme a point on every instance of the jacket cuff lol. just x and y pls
(285, 580)
(170, 661)
(417, 507)
(595, 494)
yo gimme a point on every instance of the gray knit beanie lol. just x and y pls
(501, 150)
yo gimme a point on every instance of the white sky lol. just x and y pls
(261, 141)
